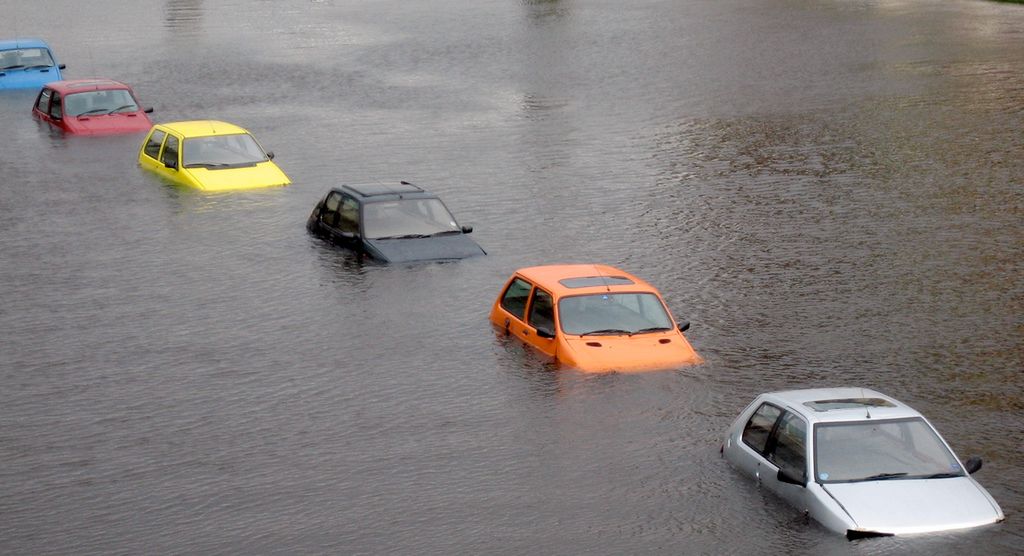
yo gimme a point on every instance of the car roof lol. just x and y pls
(386, 191)
(202, 128)
(820, 405)
(564, 279)
(92, 84)
(12, 44)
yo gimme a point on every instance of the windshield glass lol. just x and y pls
(880, 450)
(221, 151)
(407, 217)
(99, 102)
(25, 58)
(612, 313)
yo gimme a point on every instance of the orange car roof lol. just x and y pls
(604, 279)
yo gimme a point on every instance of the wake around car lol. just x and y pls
(591, 317)
(91, 107)
(391, 222)
(858, 462)
(209, 155)
(27, 64)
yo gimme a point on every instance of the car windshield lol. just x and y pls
(407, 218)
(881, 450)
(222, 151)
(25, 58)
(613, 313)
(99, 102)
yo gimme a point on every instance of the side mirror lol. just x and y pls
(148, 110)
(545, 333)
(61, 66)
(786, 475)
(270, 155)
(972, 464)
(172, 164)
(684, 326)
(467, 229)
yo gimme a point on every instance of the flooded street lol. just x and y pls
(830, 191)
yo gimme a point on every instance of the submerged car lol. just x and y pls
(91, 107)
(592, 317)
(209, 155)
(27, 64)
(858, 462)
(391, 222)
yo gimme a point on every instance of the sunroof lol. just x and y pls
(591, 281)
(848, 403)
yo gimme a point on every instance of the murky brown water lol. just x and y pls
(830, 191)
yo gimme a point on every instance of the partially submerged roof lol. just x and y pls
(203, 128)
(385, 191)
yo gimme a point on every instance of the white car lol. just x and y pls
(858, 462)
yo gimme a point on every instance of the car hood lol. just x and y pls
(641, 352)
(916, 505)
(27, 79)
(113, 123)
(264, 174)
(454, 246)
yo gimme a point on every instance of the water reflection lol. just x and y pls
(184, 17)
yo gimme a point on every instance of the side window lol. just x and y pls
(790, 449)
(760, 425)
(329, 215)
(55, 109)
(542, 311)
(170, 155)
(349, 221)
(152, 148)
(514, 299)
(43, 103)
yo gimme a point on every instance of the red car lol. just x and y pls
(91, 107)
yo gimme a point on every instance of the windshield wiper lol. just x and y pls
(93, 111)
(14, 67)
(606, 331)
(651, 329)
(407, 236)
(884, 476)
(207, 165)
(37, 66)
(945, 475)
(121, 108)
(445, 232)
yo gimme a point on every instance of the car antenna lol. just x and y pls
(604, 279)
(867, 409)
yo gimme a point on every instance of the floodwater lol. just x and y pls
(829, 190)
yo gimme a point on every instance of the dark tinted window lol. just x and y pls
(55, 109)
(514, 299)
(349, 221)
(790, 447)
(755, 434)
(153, 144)
(542, 311)
(170, 155)
(329, 214)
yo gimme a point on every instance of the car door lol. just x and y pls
(512, 307)
(42, 106)
(787, 450)
(149, 157)
(339, 220)
(170, 160)
(55, 115)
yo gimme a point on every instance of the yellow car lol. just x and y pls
(209, 155)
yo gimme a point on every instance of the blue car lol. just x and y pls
(27, 64)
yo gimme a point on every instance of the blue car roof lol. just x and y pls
(23, 43)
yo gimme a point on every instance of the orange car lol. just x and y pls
(592, 317)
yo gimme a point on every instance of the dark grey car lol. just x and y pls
(391, 222)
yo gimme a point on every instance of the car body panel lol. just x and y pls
(28, 76)
(254, 175)
(619, 352)
(859, 507)
(74, 106)
(325, 222)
